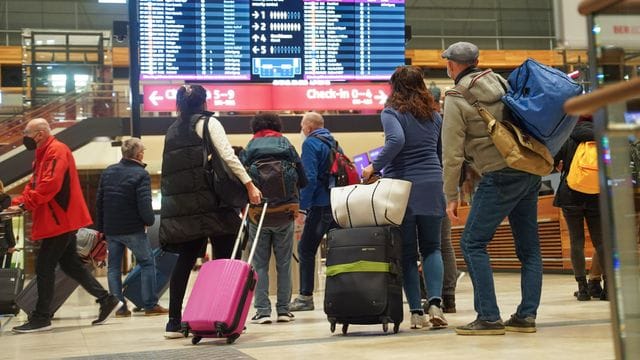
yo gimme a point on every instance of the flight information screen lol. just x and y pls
(248, 40)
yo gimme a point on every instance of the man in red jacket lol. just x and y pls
(54, 197)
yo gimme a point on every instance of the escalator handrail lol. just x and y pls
(587, 7)
(589, 103)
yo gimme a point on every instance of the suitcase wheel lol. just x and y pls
(195, 340)
(396, 327)
(345, 328)
(232, 338)
(385, 327)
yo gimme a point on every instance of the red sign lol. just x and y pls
(219, 97)
(267, 97)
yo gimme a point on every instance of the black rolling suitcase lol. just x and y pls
(364, 277)
(63, 288)
(11, 283)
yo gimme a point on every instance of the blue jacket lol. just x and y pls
(315, 161)
(124, 199)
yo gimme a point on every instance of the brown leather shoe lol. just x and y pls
(123, 312)
(156, 310)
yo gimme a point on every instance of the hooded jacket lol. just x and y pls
(53, 194)
(565, 196)
(464, 133)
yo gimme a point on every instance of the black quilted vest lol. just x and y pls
(190, 209)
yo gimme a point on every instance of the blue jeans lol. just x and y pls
(502, 193)
(318, 221)
(421, 233)
(281, 239)
(139, 245)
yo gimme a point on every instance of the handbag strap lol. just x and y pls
(485, 115)
(207, 148)
(467, 95)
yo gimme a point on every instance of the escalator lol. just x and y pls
(76, 119)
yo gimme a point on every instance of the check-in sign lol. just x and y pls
(267, 97)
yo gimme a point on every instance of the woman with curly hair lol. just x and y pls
(412, 151)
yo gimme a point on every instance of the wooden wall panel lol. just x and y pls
(554, 240)
(120, 57)
(430, 58)
(11, 55)
(500, 58)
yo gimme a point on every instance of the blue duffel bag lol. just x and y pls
(536, 97)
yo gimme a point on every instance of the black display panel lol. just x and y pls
(248, 40)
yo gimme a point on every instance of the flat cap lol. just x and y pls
(461, 52)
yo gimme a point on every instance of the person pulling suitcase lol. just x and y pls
(54, 197)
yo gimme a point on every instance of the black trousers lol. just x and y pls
(189, 252)
(575, 217)
(61, 249)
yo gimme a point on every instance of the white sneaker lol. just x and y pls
(261, 319)
(173, 335)
(286, 317)
(436, 317)
(418, 321)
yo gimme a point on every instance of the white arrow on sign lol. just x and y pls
(255, 37)
(256, 14)
(255, 27)
(381, 97)
(255, 49)
(154, 98)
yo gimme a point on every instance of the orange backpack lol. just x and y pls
(583, 173)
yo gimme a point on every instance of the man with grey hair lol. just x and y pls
(54, 197)
(314, 201)
(123, 211)
(502, 192)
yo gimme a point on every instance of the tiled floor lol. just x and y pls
(567, 329)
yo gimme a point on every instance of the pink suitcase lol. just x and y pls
(222, 295)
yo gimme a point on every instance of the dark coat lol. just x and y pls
(190, 210)
(565, 196)
(123, 204)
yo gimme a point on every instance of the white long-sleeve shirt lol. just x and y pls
(221, 143)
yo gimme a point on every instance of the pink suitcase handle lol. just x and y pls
(241, 232)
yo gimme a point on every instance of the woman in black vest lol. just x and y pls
(191, 212)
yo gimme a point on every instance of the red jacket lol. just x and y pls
(53, 194)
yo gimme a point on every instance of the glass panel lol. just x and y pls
(617, 40)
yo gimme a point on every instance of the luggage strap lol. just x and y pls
(358, 266)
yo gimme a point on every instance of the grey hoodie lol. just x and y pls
(464, 133)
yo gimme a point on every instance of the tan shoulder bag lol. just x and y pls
(520, 151)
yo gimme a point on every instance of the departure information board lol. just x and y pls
(249, 40)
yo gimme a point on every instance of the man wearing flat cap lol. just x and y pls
(502, 192)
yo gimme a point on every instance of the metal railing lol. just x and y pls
(98, 102)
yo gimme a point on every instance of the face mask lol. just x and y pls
(29, 143)
(303, 136)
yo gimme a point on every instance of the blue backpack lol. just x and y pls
(536, 97)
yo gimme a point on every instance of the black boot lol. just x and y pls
(595, 290)
(449, 304)
(583, 289)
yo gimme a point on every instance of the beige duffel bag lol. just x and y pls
(383, 202)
